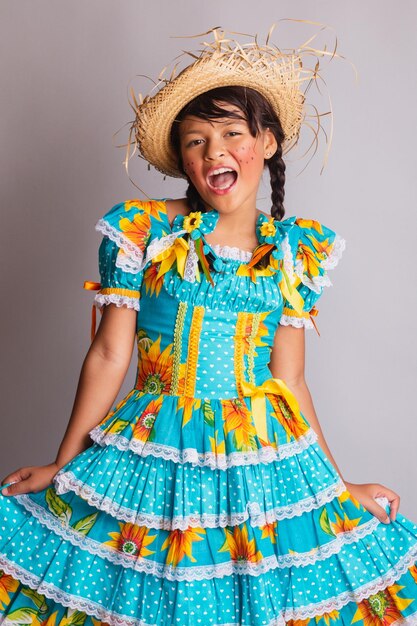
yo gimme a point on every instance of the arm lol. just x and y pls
(102, 374)
(288, 363)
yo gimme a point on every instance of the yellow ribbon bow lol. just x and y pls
(257, 395)
(177, 251)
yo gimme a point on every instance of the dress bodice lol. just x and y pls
(207, 315)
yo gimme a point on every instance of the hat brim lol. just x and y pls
(279, 83)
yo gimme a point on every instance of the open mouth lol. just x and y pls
(222, 180)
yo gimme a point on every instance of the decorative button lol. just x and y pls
(206, 249)
(218, 265)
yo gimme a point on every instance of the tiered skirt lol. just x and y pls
(179, 514)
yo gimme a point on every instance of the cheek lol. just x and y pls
(189, 168)
(248, 158)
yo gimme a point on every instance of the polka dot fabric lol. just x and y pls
(195, 503)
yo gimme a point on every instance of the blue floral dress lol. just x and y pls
(205, 498)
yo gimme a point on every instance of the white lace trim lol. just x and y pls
(232, 252)
(191, 264)
(133, 259)
(194, 572)
(112, 298)
(334, 257)
(116, 619)
(316, 283)
(160, 244)
(288, 258)
(67, 481)
(298, 322)
(266, 454)
(336, 603)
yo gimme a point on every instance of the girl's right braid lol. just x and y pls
(277, 166)
(193, 198)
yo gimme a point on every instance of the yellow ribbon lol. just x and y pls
(177, 251)
(253, 272)
(290, 293)
(257, 395)
(92, 286)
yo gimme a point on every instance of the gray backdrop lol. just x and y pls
(66, 67)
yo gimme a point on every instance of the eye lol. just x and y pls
(233, 132)
(193, 142)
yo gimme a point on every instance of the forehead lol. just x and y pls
(227, 106)
(193, 121)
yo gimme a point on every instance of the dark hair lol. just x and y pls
(258, 113)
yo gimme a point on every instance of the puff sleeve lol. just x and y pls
(313, 250)
(117, 285)
(126, 230)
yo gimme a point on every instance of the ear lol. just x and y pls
(270, 143)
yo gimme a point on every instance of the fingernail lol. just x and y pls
(5, 492)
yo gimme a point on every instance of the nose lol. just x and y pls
(214, 150)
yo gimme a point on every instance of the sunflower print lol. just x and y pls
(294, 426)
(180, 544)
(132, 540)
(7, 585)
(154, 371)
(382, 608)
(137, 230)
(270, 531)
(238, 421)
(152, 282)
(240, 548)
(144, 424)
(152, 207)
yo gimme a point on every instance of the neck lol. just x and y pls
(238, 222)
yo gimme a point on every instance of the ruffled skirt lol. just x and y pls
(179, 514)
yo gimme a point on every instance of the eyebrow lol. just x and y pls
(235, 121)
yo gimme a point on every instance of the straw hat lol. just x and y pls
(278, 75)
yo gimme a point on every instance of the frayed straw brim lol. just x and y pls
(277, 75)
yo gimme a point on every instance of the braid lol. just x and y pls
(276, 166)
(193, 198)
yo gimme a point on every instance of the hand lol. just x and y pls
(365, 494)
(29, 479)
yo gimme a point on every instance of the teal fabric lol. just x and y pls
(182, 511)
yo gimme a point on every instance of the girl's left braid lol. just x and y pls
(277, 166)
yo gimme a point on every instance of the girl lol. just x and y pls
(208, 495)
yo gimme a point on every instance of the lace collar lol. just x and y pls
(186, 247)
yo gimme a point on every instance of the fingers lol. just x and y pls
(20, 486)
(378, 511)
(393, 499)
(15, 483)
(394, 505)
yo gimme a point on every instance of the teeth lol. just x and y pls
(220, 170)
